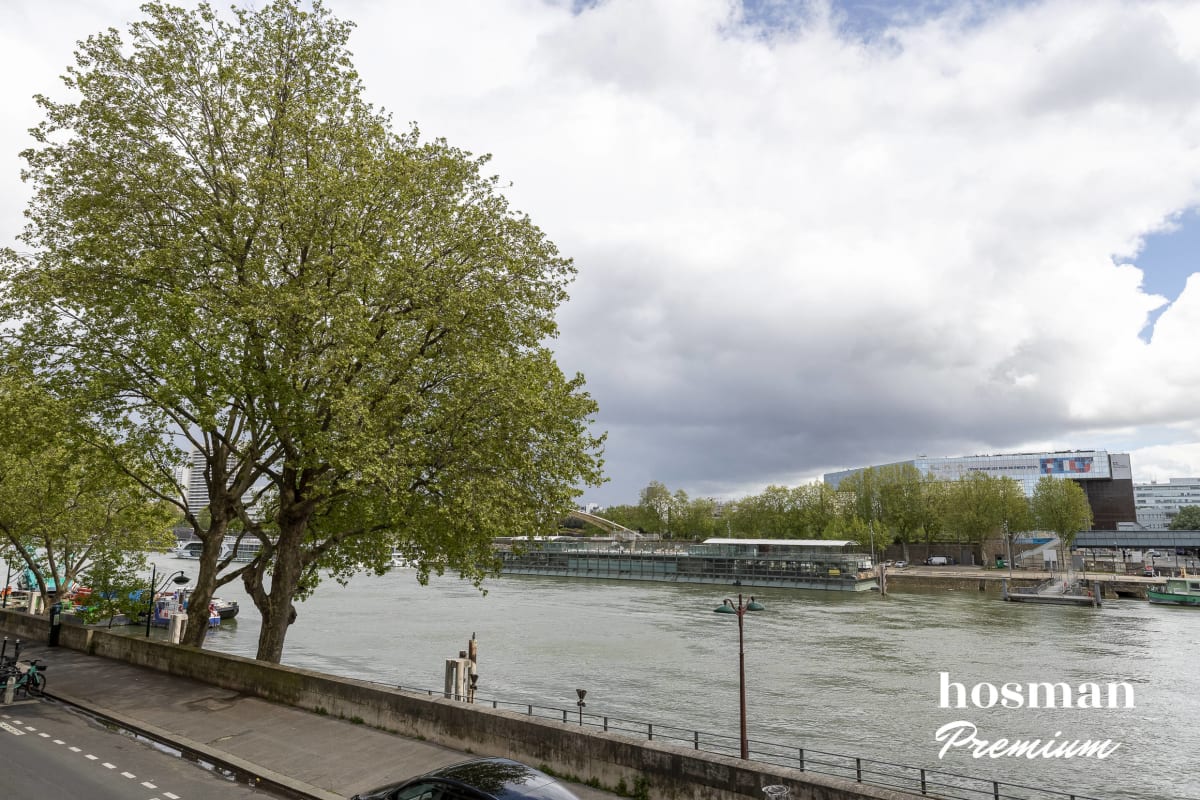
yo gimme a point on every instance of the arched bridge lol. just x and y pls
(617, 530)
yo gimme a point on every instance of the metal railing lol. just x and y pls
(873, 772)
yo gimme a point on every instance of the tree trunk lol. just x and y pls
(206, 582)
(276, 607)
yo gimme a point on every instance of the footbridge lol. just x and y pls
(615, 529)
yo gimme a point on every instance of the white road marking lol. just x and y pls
(74, 749)
(11, 729)
(129, 775)
(149, 785)
(107, 765)
(170, 796)
(59, 741)
(30, 728)
(90, 757)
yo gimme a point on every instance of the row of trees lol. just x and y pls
(892, 504)
(230, 251)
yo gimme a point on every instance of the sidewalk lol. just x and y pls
(286, 748)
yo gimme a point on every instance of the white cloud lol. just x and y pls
(804, 251)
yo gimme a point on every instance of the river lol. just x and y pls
(839, 672)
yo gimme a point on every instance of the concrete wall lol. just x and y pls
(582, 754)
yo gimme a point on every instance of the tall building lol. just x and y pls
(1106, 479)
(1158, 503)
(197, 495)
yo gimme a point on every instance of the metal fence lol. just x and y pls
(884, 774)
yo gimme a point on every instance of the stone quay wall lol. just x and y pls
(578, 754)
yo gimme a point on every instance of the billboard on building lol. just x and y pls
(1073, 465)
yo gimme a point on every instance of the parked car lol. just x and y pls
(937, 561)
(900, 564)
(481, 779)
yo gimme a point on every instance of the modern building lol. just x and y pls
(1106, 478)
(1158, 503)
(197, 494)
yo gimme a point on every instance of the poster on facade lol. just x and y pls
(1078, 465)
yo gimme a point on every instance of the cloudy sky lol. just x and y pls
(812, 235)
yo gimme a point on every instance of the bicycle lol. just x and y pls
(28, 674)
(29, 678)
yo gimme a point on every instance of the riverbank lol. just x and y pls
(319, 736)
(967, 578)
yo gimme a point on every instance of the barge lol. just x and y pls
(823, 564)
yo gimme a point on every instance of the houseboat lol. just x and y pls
(1181, 591)
(826, 564)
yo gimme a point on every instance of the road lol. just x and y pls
(49, 750)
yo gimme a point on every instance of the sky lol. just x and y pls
(811, 235)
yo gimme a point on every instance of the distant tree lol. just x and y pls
(979, 506)
(818, 505)
(657, 502)
(632, 517)
(1188, 519)
(697, 518)
(1060, 505)
(894, 501)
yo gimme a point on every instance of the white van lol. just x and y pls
(937, 561)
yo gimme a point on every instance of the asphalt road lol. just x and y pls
(49, 750)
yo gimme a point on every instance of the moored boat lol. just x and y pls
(1181, 591)
(176, 603)
(226, 609)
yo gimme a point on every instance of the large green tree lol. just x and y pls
(979, 506)
(1060, 505)
(348, 323)
(896, 501)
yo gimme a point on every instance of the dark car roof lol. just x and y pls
(501, 778)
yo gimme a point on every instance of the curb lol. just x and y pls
(263, 777)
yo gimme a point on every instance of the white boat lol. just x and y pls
(247, 549)
(194, 548)
(400, 562)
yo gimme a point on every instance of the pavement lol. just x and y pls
(283, 749)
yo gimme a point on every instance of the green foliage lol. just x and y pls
(117, 588)
(979, 506)
(1060, 505)
(349, 323)
(65, 508)
(1188, 519)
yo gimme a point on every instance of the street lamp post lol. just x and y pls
(178, 577)
(728, 608)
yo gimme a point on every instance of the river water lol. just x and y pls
(839, 672)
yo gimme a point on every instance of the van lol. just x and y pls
(937, 561)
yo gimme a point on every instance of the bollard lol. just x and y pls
(178, 624)
(55, 624)
(9, 689)
(457, 678)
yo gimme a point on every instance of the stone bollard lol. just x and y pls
(10, 689)
(178, 623)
